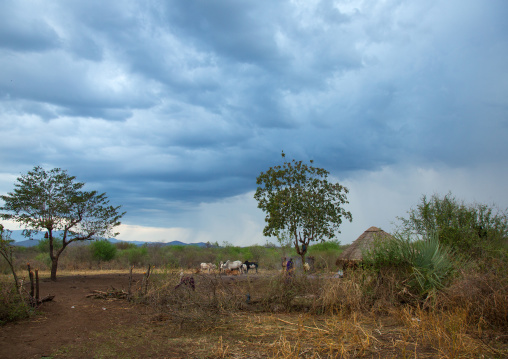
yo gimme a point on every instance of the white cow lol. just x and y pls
(208, 267)
(236, 265)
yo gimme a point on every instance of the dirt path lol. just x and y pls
(71, 318)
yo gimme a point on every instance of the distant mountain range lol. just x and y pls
(22, 241)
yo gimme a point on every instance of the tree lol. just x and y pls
(472, 229)
(54, 201)
(300, 201)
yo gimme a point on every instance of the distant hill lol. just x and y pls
(177, 243)
(22, 241)
(27, 243)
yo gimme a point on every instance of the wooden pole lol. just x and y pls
(36, 286)
(130, 281)
(31, 276)
(147, 276)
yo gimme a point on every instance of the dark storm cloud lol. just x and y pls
(166, 105)
(237, 31)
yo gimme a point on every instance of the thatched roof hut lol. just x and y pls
(354, 253)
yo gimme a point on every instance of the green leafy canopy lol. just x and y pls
(54, 201)
(299, 199)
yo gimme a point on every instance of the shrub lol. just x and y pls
(43, 245)
(103, 250)
(426, 264)
(12, 306)
(206, 306)
(42, 260)
(297, 292)
(325, 255)
(136, 256)
(484, 295)
(473, 230)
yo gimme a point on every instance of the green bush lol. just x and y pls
(136, 256)
(43, 245)
(12, 307)
(103, 250)
(42, 259)
(325, 254)
(325, 247)
(472, 230)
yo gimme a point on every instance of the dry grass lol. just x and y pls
(305, 317)
(484, 296)
(293, 335)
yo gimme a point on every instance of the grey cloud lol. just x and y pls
(239, 31)
(165, 105)
(57, 80)
(22, 32)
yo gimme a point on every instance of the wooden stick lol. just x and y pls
(147, 276)
(130, 281)
(37, 286)
(31, 276)
(47, 298)
(304, 326)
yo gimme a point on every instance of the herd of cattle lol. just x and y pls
(230, 267)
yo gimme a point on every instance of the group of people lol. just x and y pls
(288, 266)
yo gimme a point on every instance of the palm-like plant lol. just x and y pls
(427, 262)
(430, 264)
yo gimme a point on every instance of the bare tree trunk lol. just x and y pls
(303, 258)
(54, 266)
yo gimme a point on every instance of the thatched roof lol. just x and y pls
(354, 252)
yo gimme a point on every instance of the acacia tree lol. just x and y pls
(299, 200)
(53, 201)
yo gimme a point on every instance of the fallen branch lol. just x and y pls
(47, 298)
(304, 326)
(112, 294)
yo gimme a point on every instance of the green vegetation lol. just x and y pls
(43, 245)
(12, 305)
(426, 265)
(105, 255)
(301, 205)
(103, 250)
(53, 201)
(136, 256)
(472, 230)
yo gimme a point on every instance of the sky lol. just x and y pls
(173, 108)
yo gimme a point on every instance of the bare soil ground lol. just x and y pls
(70, 318)
(73, 325)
